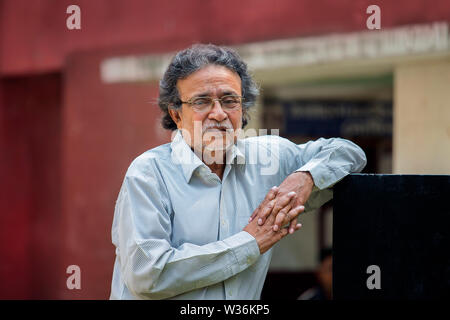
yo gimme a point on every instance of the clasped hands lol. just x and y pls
(280, 207)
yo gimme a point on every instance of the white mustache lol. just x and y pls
(224, 126)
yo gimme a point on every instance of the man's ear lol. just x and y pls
(175, 115)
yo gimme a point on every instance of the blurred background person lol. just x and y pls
(324, 276)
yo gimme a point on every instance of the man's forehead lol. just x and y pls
(211, 80)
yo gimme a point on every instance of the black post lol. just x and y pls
(391, 237)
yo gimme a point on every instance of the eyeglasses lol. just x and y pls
(204, 104)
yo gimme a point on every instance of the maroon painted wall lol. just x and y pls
(35, 37)
(15, 201)
(104, 128)
(30, 193)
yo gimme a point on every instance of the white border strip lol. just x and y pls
(402, 41)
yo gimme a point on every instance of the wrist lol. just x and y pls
(306, 175)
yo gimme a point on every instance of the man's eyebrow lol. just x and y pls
(203, 94)
(208, 94)
(227, 93)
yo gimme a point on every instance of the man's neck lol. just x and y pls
(210, 159)
(218, 169)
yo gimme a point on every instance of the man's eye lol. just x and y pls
(200, 102)
(230, 100)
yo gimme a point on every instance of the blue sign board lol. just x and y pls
(338, 118)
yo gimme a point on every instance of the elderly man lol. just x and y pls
(197, 218)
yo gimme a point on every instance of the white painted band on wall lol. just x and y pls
(401, 41)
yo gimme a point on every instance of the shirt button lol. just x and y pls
(249, 261)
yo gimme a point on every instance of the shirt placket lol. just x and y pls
(225, 226)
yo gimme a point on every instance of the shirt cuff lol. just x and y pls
(323, 177)
(245, 250)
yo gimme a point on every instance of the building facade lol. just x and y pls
(78, 105)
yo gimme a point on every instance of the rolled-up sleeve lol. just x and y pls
(150, 266)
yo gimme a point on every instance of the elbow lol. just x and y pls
(143, 286)
(360, 158)
(356, 154)
(363, 161)
(139, 282)
(143, 276)
(137, 286)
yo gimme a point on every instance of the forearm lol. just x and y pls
(330, 160)
(165, 272)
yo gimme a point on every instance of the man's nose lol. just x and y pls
(217, 112)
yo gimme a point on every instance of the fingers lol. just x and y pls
(292, 221)
(269, 197)
(281, 216)
(281, 234)
(283, 201)
(292, 225)
(281, 207)
(284, 217)
(285, 231)
(274, 206)
(266, 237)
(266, 210)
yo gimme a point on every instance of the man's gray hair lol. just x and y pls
(194, 58)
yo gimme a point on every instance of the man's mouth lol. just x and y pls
(220, 129)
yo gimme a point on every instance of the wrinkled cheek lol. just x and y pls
(237, 120)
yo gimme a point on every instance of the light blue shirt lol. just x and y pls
(178, 228)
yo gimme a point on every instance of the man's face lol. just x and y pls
(213, 129)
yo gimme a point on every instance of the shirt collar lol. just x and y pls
(182, 154)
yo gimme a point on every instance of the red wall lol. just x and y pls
(35, 37)
(30, 193)
(65, 144)
(104, 128)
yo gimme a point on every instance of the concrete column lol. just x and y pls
(421, 143)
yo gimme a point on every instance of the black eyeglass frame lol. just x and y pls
(213, 100)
